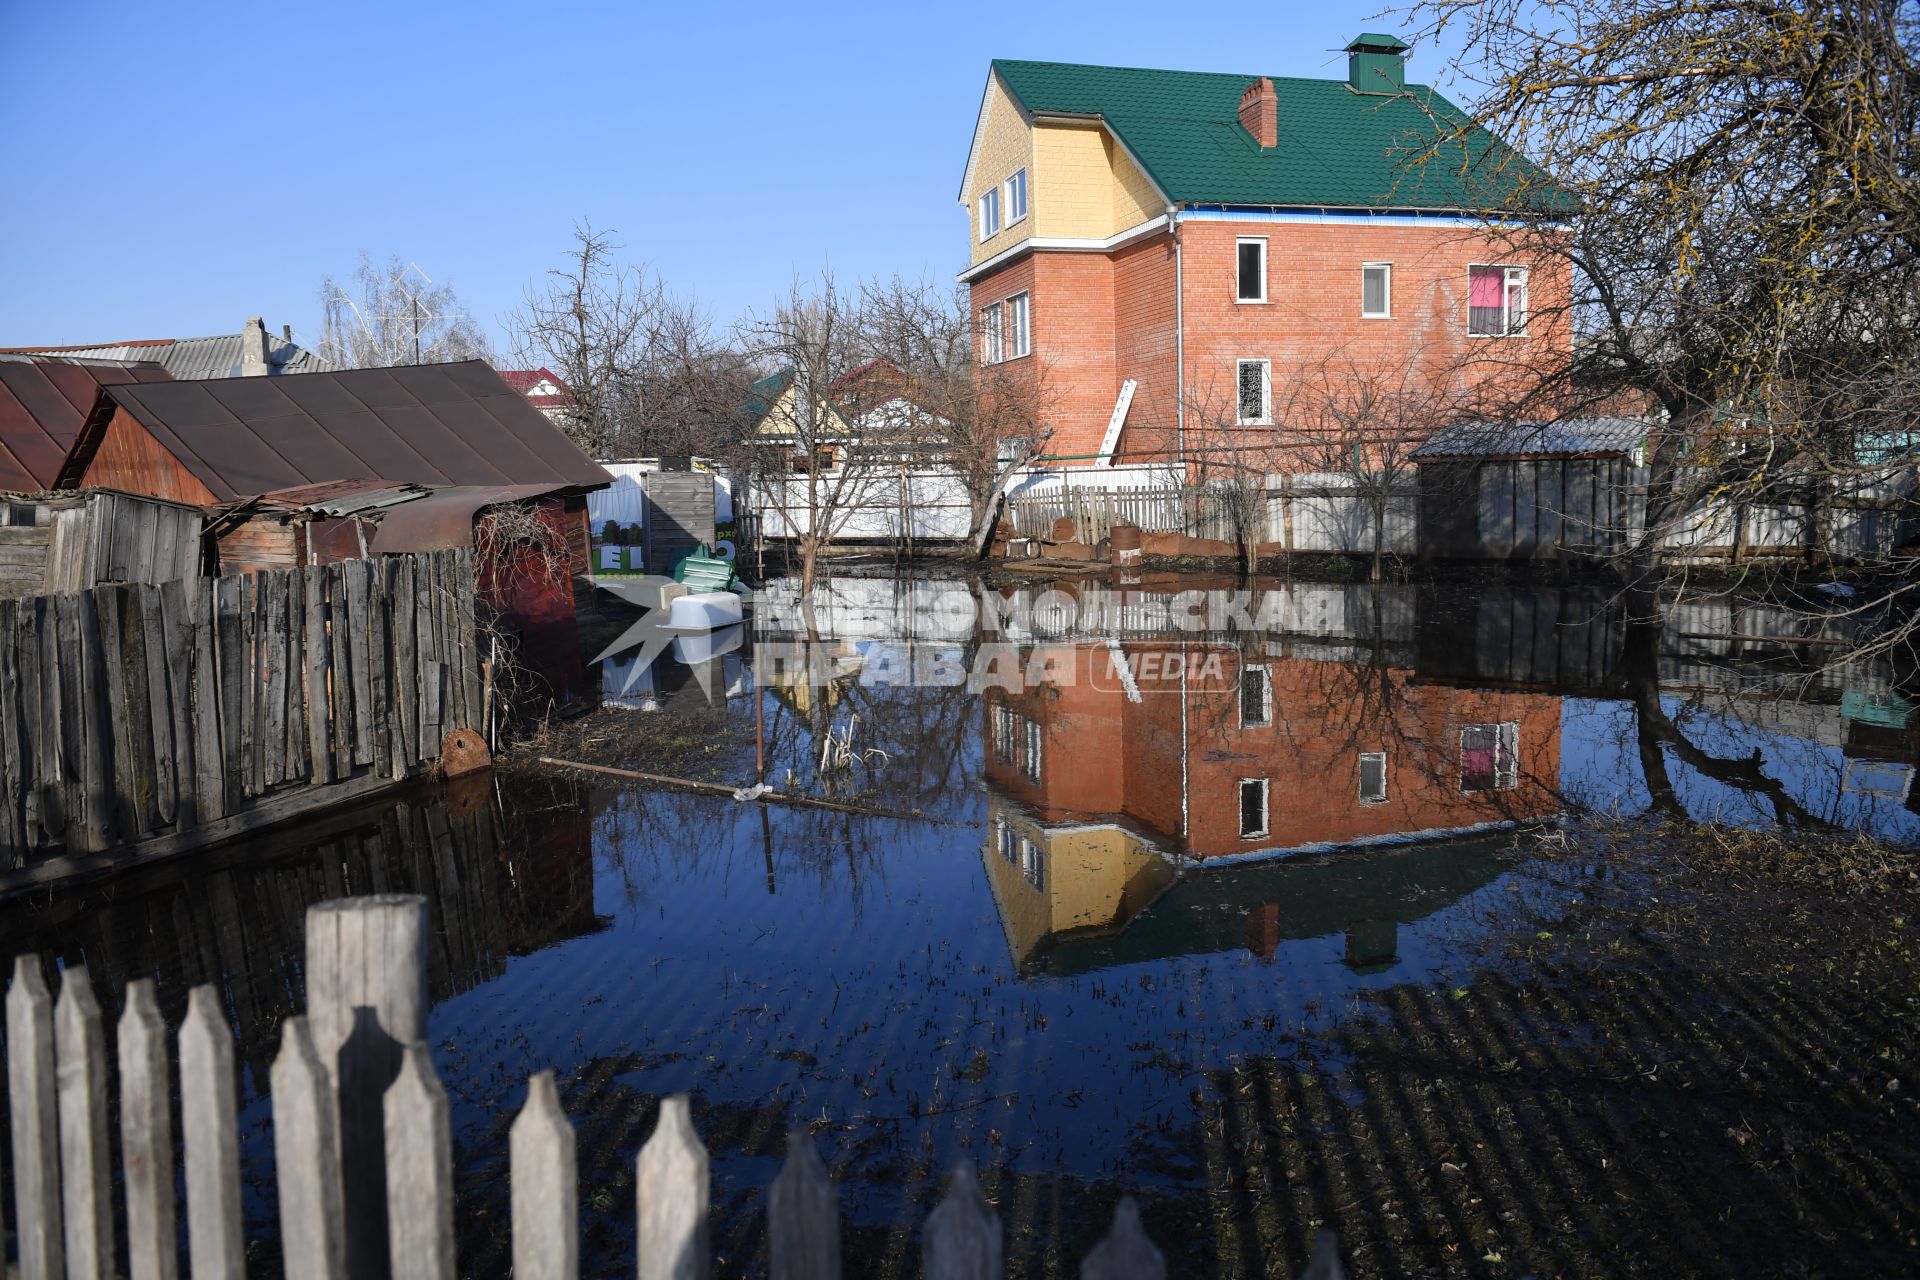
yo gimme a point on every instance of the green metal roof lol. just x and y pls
(1337, 149)
(1378, 40)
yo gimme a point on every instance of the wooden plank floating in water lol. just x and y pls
(722, 789)
(136, 714)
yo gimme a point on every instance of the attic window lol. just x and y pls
(1016, 186)
(1250, 270)
(990, 213)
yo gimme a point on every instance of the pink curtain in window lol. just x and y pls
(1484, 287)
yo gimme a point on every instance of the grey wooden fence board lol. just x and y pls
(962, 1238)
(146, 1137)
(209, 1119)
(670, 1195)
(135, 710)
(803, 1215)
(306, 1159)
(545, 1188)
(419, 1171)
(1125, 1253)
(86, 1209)
(34, 1119)
(366, 999)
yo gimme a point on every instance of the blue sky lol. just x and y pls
(180, 167)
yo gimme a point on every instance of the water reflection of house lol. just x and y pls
(1069, 880)
(1228, 750)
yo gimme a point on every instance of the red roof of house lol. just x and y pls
(42, 405)
(525, 380)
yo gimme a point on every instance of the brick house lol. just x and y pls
(1208, 238)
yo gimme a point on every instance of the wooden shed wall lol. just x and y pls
(131, 460)
(262, 542)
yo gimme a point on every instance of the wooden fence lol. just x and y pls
(53, 543)
(203, 707)
(363, 1158)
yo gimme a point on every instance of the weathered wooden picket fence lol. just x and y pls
(363, 1159)
(133, 713)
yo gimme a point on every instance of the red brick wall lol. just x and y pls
(1099, 319)
(1144, 347)
(1313, 313)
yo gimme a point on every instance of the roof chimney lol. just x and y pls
(1260, 113)
(1377, 63)
(253, 348)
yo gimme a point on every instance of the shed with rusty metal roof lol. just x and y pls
(220, 441)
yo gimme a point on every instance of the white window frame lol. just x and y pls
(992, 335)
(1015, 211)
(1266, 695)
(1033, 863)
(1032, 757)
(1266, 808)
(990, 213)
(1361, 782)
(1005, 842)
(1506, 740)
(1509, 277)
(1264, 291)
(1266, 394)
(1019, 326)
(1386, 268)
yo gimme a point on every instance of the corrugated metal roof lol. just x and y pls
(433, 424)
(43, 404)
(1567, 437)
(343, 497)
(215, 357)
(444, 518)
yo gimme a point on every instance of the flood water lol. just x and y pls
(1097, 880)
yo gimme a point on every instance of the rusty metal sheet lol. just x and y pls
(42, 406)
(445, 518)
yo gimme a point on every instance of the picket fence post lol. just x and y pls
(85, 1181)
(544, 1187)
(963, 1232)
(209, 1118)
(33, 1114)
(803, 1215)
(306, 1158)
(146, 1137)
(670, 1193)
(366, 1000)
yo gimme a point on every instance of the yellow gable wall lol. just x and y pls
(1006, 144)
(1096, 878)
(1081, 184)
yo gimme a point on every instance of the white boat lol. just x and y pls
(706, 611)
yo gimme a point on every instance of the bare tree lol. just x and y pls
(813, 462)
(984, 420)
(1363, 423)
(1233, 451)
(1747, 255)
(395, 314)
